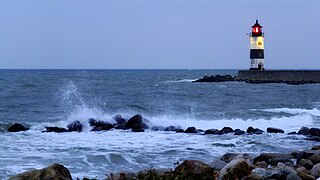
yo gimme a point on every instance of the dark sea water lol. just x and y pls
(42, 98)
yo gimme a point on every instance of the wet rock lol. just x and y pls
(193, 167)
(301, 155)
(54, 172)
(272, 157)
(262, 164)
(274, 174)
(75, 126)
(257, 131)
(304, 131)
(293, 176)
(274, 130)
(136, 119)
(158, 128)
(122, 176)
(292, 133)
(301, 169)
(306, 163)
(313, 138)
(137, 128)
(228, 157)
(216, 78)
(250, 129)
(315, 148)
(190, 130)
(235, 169)
(275, 161)
(16, 127)
(239, 132)
(305, 176)
(217, 164)
(179, 131)
(120, 127)
(119, 120)
(226, 130)
(315, 171)
(315, 159)
(314, 132)
(100, 125)
(171, 128)
(212, 131)
(55, 129)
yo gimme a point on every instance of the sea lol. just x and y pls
(40, 98)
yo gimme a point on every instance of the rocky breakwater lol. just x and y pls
(216, 78)
(298, 165)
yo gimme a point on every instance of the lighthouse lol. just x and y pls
(257, 47)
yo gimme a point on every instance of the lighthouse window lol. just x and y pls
(259, 43)
(257, 29)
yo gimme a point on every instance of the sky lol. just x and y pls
(156, 34)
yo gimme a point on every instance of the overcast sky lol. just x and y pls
(170, 34)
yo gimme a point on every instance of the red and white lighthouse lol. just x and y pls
(257, 47)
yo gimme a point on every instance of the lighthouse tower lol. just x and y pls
(257, 47)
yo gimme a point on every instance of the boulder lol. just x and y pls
(16, 127)
(137, 128)
(261, 164)
(226, 130)
(304, 131)
(179, 131)
(292, 133)
(55, 129)
(301, 155)
(305, 176)
(313, 138)
(136, 119)
(100, 124)
(274, 130)
(301, 169)
(190, 130)
(272, 157)
(306, 163)
(250, 129)
(194, 169)
(212, 131)
(235, 169)
(228, 157)
(239, 132)
(293, 176)
(171, 128)
(315, 159)
(158, 128)
(314, 132)
(54, 172)
(315, 171)
(217, 164)
(120, 126)
(75, 126)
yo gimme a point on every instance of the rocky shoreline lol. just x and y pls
(297, 165)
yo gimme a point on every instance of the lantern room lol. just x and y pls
(256, 29)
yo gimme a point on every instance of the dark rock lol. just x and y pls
(119, 120)
(226, 130)
(179, 131)
(301, 155)
(217, 164)
(120, 126)
(171, 128)
(104, 125)
(239, 132)
(292, 133)
(136, 119)
(315, 148)
(315, 159)
(305, 176)
(274, 130)
(158, 128)
(55, 129)
(304, 131)
(306, 163)
(276, 160)
(199, 131)
(16, 127)
(229, 157)
(216, 78)
(190, 168)
(268, 157)
(190, 130)
(75, 126)
(54, 172)
(138, 128)
(250, 129)
(293, 176)
(212, 131)
(315, 171)
(261, 164)
(314, 132)
(235, 169)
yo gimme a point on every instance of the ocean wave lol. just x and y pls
(180, 81)
(294, 111)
